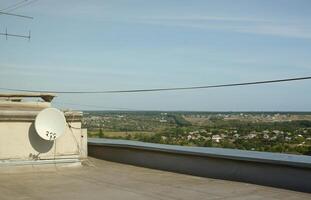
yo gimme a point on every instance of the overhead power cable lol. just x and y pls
(162, 89)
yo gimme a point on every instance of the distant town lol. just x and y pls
(284, 132)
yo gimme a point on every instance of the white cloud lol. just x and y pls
(205, 18)
(286, 30)
(233, 24)
(113, 12)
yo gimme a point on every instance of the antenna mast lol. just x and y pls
(6, 34)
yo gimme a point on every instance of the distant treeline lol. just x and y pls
(103, 112)
(179, 120)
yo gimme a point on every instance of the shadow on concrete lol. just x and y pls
(39, 144)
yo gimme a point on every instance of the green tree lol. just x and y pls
(100, 133)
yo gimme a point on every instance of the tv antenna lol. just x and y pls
(6, 34)
(15, 15)
(6, 11)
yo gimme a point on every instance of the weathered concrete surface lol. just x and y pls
(286, 171)
(108, 180)
(45, 96)
(20, 141)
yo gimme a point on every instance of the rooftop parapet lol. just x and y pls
(47, 97)
(30, 115)
(262, 168)
(14, 101)
(12, 108)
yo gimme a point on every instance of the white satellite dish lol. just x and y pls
(50, 123)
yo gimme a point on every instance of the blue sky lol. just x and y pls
(132, 44)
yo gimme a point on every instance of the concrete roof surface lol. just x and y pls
(99, 179)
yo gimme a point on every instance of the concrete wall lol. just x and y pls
(258, 168)
(19, 140)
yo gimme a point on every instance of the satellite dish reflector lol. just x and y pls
(50, 123)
